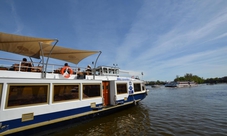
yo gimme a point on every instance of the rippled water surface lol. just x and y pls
(192, 111)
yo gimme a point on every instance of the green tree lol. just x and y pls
(190, 77)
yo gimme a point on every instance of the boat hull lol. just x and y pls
(51, 121)
(62, 125)
(20, 111)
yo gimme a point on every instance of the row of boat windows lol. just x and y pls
(21, 95)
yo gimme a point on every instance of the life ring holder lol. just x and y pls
(64, 71)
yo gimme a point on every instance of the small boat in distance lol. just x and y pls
(37, 96)
(181, 84)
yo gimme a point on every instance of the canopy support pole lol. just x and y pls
(49, 57)
(41, 50)
(95, 64)
(43, 75)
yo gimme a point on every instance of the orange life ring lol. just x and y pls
(66, 71)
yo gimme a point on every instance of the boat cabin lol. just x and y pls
(106, 70)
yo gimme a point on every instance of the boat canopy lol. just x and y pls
(36, 47)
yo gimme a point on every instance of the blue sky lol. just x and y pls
(161, 38)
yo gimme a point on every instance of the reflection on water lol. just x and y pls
(166, 111)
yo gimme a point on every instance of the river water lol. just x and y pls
(195, 111)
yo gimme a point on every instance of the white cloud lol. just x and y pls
(19, 25)
(181, 46)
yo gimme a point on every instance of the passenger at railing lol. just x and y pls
(80, 74)
(25, 66)
(88, 70)
(24, 60)
(66, 65)
(78, 71)
(22, 66)
(66, 71)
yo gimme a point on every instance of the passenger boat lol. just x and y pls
(34, 94)
(181, 84)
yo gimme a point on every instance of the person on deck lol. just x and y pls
(66, 64)
(80, 74)
(66, 71)
(24, 60)
(25, 66)
(88, 70)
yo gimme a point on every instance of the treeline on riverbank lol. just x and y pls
(191, 77)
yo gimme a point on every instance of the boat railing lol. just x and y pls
(29, 66)
(36, 67)
(17, 65)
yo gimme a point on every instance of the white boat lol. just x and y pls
(181, 84)
(35, 95)
(155, 86)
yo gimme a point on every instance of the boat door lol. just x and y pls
(106, 93)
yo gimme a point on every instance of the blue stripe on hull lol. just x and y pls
(57, 115)
(46, 117)
(137, 97)
(133, 98)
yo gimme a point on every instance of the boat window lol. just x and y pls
(121, 88)
(105, 70)
(21, 94)
(137, 87)
(0, 94)
(66, 92)
(91, 90)
(111, 71)
(116, 71)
